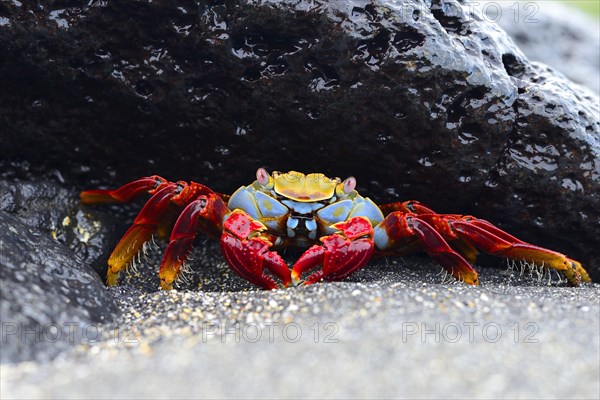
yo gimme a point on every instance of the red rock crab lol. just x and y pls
(340, 229)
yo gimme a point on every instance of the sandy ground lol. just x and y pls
(396, 330)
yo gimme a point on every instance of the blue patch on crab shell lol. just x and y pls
(336, 212)
(244, 199)
(270, 207)
(272, 224)
(364, 207)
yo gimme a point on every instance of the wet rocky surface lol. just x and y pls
(388, 331)
(56, 211)
(49, 298)
(418, 99)
(362, 337)
(554, 33)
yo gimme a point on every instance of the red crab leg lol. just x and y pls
(411, 206)
(125, 193)
(340, 254)
(399, 229)
(495, 241)
(157, 216)
(206, 213)
(246, 248)
(466, 249)
(140, 232)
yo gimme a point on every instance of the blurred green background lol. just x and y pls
(590, 6)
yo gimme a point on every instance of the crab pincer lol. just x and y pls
(246, 246)
(340, 254)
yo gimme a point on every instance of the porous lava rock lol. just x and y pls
(49, 299)
(57, 212)
(417, 99)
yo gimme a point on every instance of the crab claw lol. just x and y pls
(340, 254)
(246, 248)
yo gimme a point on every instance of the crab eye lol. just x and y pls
(349, 184)
(262, 176)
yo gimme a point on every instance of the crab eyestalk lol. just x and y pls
(345, 188)
(263, 177)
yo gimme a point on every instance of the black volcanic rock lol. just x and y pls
(58, 213)
(419, 99)
(49, 299)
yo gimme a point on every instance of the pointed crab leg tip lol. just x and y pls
(112, 279)
(84, 197)
(166, 285)
(90, 197)
(472, 281)
(585, 277)
(466, 275)
(287, 284)
(296, 281)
